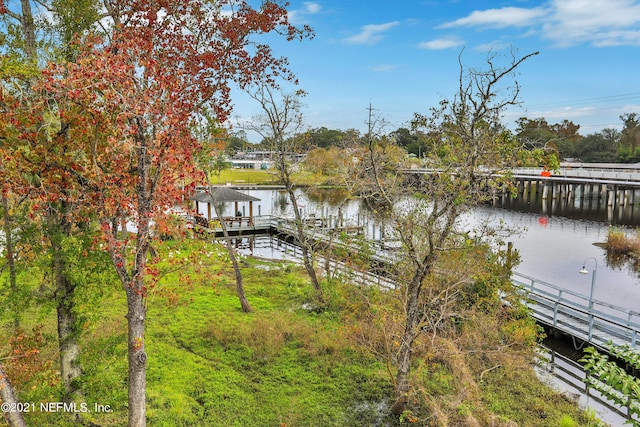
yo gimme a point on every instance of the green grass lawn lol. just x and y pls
(245, 176)
(266, 177)
(210, 364)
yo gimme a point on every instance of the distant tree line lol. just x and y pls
(563, 139)
(607, 146)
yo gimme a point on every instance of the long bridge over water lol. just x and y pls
(608, 190)
(597, 183)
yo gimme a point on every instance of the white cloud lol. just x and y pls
(371, 34)
(441, 44)
(492, 46)
(599, 22)
(299, 16)
(499, 18)
(311, 7)
(566, 22)
(618, 38)
(384, 67)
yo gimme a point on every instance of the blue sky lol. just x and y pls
(402, 57)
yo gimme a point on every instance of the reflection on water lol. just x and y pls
(622, 262)
(589, 209)
(334, 197)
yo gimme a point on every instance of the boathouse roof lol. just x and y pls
(223, 194)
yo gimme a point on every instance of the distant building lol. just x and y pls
(259, 159)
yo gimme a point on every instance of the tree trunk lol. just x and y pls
(11, 262)
(304, 242)
(135, 287)
(302, 237)
(29, 29)
(68, 329)
(244, 302)
(7, 396)
(137, 357)
(405, 351)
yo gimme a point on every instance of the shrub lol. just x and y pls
(619, 241)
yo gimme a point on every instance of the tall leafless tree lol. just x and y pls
(466, 143)
(279, 124)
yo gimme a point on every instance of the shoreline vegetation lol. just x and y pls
(286, 364)
(266, 177)
(623, 248)
(621, 242)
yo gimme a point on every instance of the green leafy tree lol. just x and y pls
(236, 143)
(323, 138)
(32, 137)
(413, 142)
(629, 151)
(599, 147)
(538, 133)
(219, 163)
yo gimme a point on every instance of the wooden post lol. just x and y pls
(611, 199)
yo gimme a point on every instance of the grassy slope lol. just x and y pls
(212, 365)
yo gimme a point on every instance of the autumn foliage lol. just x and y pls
(110, 136)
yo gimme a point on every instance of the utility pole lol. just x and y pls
(369, 125)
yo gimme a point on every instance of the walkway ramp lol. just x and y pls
(594, 322)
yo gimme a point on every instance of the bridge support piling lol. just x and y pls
(545, 191)
(611, 198)
(521, 188)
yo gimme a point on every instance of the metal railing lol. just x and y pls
(594, 321)
(593, 174)
(574, 378)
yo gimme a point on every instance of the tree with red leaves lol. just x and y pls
(126, 106)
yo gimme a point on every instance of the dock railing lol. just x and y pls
(574, 377)
(595, 322)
